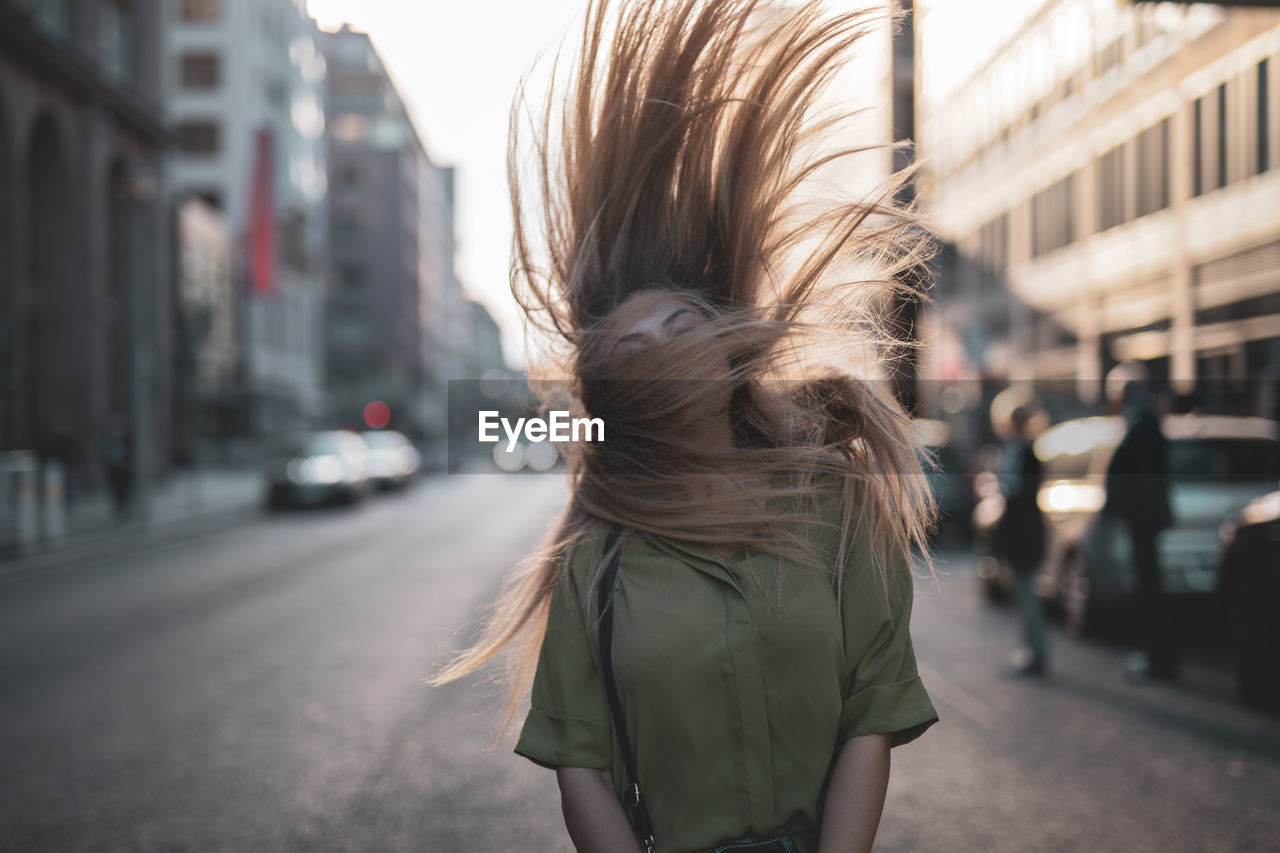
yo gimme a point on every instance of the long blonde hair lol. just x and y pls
(686, 161)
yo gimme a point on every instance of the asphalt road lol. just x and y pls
(259, 688)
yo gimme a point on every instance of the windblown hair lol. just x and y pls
(687, 160)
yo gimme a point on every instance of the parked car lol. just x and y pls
(391, 460)
(319, 467)
(1249, 585)
(1217, 464)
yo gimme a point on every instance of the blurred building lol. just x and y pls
(206, 352)
(247, 107)
(398, 324)
(83, 238)
(1105, 172)
(486, 351)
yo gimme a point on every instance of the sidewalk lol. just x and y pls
(186, 503)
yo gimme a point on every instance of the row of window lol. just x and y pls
(1141, 25)
(1102, 61)
(1133, 177)
(1216, 131)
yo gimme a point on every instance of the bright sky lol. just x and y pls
(957, 38)
(457, 65)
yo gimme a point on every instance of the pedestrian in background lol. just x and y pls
(761, 594)
(117, 457)
(1019, 539)
(1137, 487)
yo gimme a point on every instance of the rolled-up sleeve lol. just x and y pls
(882, 691)
(568, 720)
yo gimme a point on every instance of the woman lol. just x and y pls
(1020, 539)
(728, 325)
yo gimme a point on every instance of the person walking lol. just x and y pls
(1137, 486)
(714, 636)
(1020, 540)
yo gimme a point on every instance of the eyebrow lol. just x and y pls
(665, 323)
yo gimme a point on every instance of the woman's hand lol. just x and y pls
(592, 813)
(855, 795)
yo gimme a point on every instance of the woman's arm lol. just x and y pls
(592, 813)
(855, 795)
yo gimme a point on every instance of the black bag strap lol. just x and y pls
(632, 798)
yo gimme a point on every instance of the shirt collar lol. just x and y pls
(696, 555)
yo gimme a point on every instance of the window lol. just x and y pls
(355, 85)
(1264, 116)
(1197, 147)
(201, 10)
(1222, 135)
(1111, 188)
(348, 228)
(201, 70)
(1053, 217)
(353, 50)
(199, 137)
(993, 246)
(293, 240)
(1153, 168)
(1109, 57)
(351, 278)
(346, 173)
(276, 91)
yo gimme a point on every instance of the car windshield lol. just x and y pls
(311, 444)
(383, 440)
(1252, 459)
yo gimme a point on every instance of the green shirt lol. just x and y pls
(734, 708)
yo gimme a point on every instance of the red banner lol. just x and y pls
(261, 233)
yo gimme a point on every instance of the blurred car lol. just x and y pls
(1217, 464)
(1249, 585)
(390, 460)
(318, 467)
(951, 487)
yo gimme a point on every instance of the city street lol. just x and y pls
(259, 688)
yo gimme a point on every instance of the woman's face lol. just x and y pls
(651, 317)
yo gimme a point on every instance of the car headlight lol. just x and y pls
(317, 470)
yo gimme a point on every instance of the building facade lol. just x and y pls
(246, 104)
(1105, 173)
(84, 313)
(397, 320)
